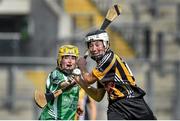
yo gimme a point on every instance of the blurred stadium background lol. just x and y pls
(147, 35)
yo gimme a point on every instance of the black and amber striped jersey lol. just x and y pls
(116, 77)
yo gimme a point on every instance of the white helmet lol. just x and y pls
(98, 35)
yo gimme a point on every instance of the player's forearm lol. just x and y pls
(87, 77)
(96, 94)
(63, 86)
(52, 95)
(92, 105)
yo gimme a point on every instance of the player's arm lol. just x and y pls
(95, 93)
(61, 86)
(93, 110)
(88, 77)
(52, 91)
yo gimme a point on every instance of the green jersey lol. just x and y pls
(65, 105)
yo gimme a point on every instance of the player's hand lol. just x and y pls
(81, 62)
(79, 110)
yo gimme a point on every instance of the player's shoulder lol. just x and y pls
(107, 58)
(56, 73)
(106, 61)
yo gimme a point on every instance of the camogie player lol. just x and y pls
(114, 77)
(63, 107)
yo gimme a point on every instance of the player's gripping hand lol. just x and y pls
(81, 62)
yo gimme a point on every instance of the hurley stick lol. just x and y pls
(112, 13)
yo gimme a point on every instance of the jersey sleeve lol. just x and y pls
(104, 66)
(54, 80)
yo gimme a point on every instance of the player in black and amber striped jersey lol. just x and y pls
(114, 76)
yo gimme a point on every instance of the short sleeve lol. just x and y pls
(54, 80)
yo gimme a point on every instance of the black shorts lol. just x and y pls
(130, 109)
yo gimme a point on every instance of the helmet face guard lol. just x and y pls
(67, 50)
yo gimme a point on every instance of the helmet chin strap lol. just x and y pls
(99, 57)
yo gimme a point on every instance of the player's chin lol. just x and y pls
(70, 68)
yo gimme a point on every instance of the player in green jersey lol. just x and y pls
(63, 107)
